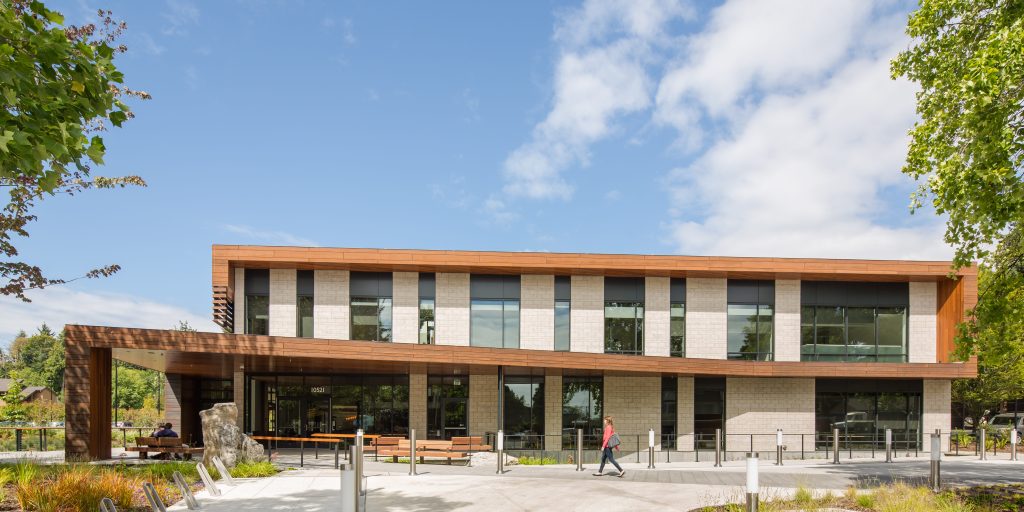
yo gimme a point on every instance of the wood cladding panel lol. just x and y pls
(269, 351)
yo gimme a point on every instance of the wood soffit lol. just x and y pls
(192, 353)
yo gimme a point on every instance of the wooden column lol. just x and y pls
(87, 405)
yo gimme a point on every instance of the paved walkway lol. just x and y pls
(678, 486)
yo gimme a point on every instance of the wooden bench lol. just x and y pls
(470, 444)
(424, 449)
(173, 445)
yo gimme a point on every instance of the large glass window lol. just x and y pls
(304, 304)
(863, 410)
(708, 411)
(750, 320)
(669, 412)
(257, 301)
(370, 306)
(624, 315)
(371, 318)
(427, 322)
(677, 328)
(427, 309)
(494, 311)
(563, 311)
(524, 412)
(447, 406)
(842, 321)
(624, 328)
(582, 409)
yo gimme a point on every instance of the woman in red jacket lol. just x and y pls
(611, 440)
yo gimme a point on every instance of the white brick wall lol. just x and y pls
(586, 316)
(656, 316)
(634, 403)
(706, 314)
(537, 313)
(418, 402)
(762, 405)
(936, 415)
(921, 324)
(552, 411)
(239, 318)
(787, 320)
(483, 403)
(283, 314)
(684, 414)
(452, 315)
(330, 304)
(405, 301)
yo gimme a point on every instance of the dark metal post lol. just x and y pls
(17, 439)
(718, 447)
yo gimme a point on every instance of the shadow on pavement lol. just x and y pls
(380, 499)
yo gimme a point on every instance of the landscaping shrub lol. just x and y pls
(253, 470)
(77, 488)
(803, 497)
(537, 461)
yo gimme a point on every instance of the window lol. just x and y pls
(494, 311)
(624, 315)
(304, 304)
(426, 329)
(750, 319)
(524, 412)
(370, 306)
(677, 318)
(447, 406)
(669, 410)
(853, 321)
(582, 409)
(563, 290)
(257, 301)
(864, 409)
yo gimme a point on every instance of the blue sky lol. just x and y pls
(656, 126)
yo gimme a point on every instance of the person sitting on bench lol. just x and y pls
(166, 431)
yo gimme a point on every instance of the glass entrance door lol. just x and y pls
(318, 416)
(454, 417)
(289, 416)
(447, 406)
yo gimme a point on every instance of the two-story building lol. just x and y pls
(542, 344)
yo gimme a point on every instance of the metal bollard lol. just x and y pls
(412, 452)
(718, 447)
(888, 445)
(501, 452)
(579, 449)
(935, 478)
(358, 464)
(1013, 444)
(650, 449)
(752, 484)
(778, 447)
(981, 444)
(835, 446)
(350, 484)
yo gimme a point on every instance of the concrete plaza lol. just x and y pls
(677, 486)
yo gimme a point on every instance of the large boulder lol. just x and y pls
(223, 438)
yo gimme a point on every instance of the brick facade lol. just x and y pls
(634, 402)
(405, 312)
(684, 414)
(418, 402)
(762, 405)
(921, 325)
(552, 411)
(936, 397)
(706, 316)
(239, 313)
(537, 313)
(452, 314)
(656, 316)
(586, 315)
(787, 320)
(283, 295)
(483, 402)
(331, 304)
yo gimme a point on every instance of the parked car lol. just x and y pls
(856, 423)
(1003, 423)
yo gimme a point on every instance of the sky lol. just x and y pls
(736, 128)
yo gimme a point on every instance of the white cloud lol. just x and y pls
(601, 75)
(269, 237)
(149, 45)
(805, 144)
(348, 33)
(180, 14)
(61, 305)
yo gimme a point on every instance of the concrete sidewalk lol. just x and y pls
(680, 486)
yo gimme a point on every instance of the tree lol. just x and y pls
(59, 88)
(38, 360)
(13, 408)
(966, 151)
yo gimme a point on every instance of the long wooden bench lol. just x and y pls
(447, 450)
(470, 444)
(172, 445)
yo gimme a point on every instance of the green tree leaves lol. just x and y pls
(59, 89)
